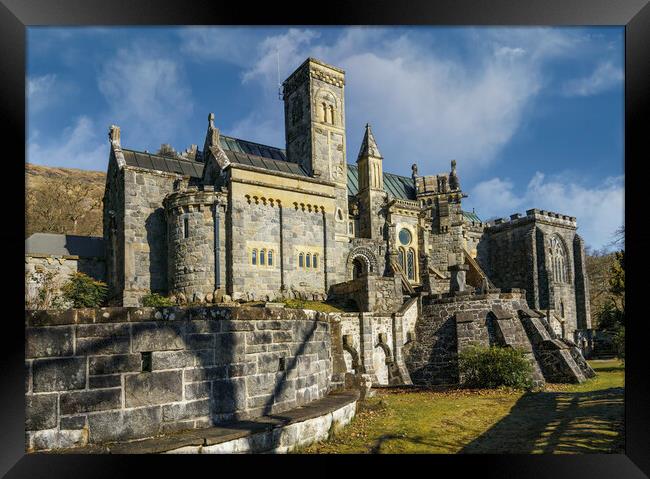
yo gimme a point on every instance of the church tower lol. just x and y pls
(371, 187)
(314, 118)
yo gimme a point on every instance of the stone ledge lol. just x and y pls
(119, 314)
(193, 441)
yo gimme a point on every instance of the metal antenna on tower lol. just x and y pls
(277, 56)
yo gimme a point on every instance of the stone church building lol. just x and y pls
(236, 220)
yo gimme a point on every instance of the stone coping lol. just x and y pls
(513, 293)
(56, 317)
(220, 434)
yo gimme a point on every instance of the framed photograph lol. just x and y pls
(382, 229)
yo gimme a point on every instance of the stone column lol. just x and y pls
(367, 345)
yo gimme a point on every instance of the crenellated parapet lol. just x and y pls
(313, 68)
(532, 215)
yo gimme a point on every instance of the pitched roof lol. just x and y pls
(261, 156)
(65, 245)
(471, 216)
(141, 159)
(399, 186)
(229, 143)
(238, 151)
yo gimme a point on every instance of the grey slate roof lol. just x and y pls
(140, 159)
(65, 245)
(229, 143)
(238, 151)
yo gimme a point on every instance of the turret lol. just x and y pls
(371, 187)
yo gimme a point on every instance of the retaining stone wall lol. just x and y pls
(115, 374)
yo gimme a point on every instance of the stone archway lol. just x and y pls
(361, 261)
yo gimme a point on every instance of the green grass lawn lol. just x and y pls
(580, 418)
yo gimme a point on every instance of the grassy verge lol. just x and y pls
(581, 418)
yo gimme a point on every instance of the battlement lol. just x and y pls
(534, 214)
(191, 198)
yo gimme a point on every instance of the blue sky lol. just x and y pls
(533, 116)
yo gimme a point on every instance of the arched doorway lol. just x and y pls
(359, 268)
(361, 262)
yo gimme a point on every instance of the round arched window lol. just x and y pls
(405, 236)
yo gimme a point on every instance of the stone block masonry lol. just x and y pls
(118, 374)
(451, 323)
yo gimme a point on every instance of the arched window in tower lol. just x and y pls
(254, 257)
(400, 258)
(324, 110)
(270, 258)
(331, 114)
(263, 257)
(559, 261)
(315, 260)
(301, 260)
(308, 264)
(410, 265)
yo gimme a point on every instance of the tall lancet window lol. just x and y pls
(400, 258)
(410, 265)
(331, 114)
(559, 261)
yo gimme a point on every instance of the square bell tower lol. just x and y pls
(314, 118)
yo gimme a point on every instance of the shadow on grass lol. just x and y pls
(558, 422)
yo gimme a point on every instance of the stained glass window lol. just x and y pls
(405, 237)
(410, 265)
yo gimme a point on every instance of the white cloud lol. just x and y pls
(148, 96)
(40, 92)
(604, 77)
(230, 44)
(79, 146)
(424, 106)
(599, 209)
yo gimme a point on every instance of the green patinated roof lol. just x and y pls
(398, 186)
(471, 216)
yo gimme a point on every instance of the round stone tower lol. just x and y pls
(191, 242)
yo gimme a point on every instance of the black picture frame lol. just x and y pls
(16, 15)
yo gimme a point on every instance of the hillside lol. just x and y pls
(63, 200)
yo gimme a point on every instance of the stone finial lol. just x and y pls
(454, 181)
(414, 171)
(211, 120)
(114, 134)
